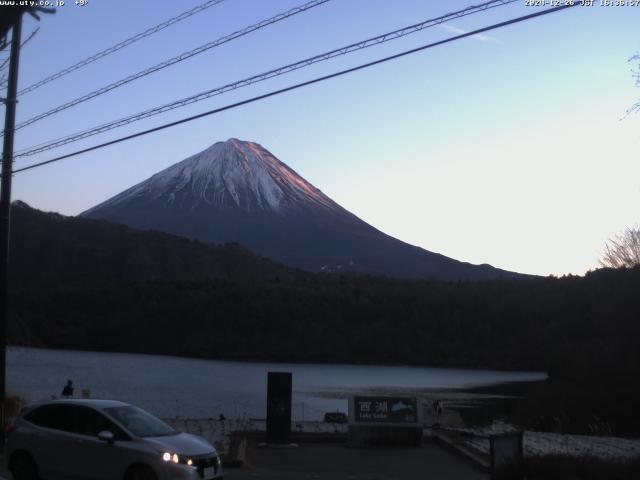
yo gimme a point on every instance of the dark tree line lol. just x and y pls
(94, 285)
(584, 331)
(555, 324)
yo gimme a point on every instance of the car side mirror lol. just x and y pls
(106, 436)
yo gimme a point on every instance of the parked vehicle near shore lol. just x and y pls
(104, 439)
(335, 417)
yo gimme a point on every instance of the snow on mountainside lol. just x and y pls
(227, 174)
(237, 191)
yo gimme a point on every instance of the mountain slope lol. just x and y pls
(237, 191)
(52, 251)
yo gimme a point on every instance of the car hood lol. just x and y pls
(182, 444)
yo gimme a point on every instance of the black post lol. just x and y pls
(278, 407)
(5, 205)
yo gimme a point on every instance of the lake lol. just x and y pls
(187, 387)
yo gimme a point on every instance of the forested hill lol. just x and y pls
(96, 285)
(86, 284)
(52, 252)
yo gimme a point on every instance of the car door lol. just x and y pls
(53, 441)
(97, 459)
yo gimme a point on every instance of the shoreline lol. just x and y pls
(258, 360)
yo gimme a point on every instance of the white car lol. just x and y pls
(106, 440)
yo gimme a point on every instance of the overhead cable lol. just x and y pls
(172, 61)
(300, 85)
(5, 62)
(120, 45)
(260, 77)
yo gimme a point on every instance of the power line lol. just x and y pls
(121, 45)
(260, 77)
(300, 85)
(172, 61)
(6, 61)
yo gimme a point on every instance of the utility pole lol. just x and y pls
(5, 204)
(11, 18)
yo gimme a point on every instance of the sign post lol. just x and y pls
(278, 407)
(385, 420)
(507, 456)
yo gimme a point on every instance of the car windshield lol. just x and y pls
(139, 422)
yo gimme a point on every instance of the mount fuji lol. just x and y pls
(237, 191)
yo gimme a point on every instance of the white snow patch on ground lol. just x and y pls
(541, 444)
(536, 444)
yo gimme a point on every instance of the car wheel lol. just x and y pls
(23, 467)
(141, 472)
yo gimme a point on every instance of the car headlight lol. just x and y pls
(175, 458)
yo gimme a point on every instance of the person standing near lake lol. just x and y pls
(67, 391)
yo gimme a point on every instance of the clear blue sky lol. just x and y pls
(506, 149)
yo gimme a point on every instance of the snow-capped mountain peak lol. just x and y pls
(231, 174)
(236, 191)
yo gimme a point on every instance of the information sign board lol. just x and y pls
(384, 410)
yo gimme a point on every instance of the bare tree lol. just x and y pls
(636, 74)
(623, 250)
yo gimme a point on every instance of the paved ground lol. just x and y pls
(338, 462)
(4, 474)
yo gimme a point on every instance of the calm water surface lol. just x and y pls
(175, 386)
